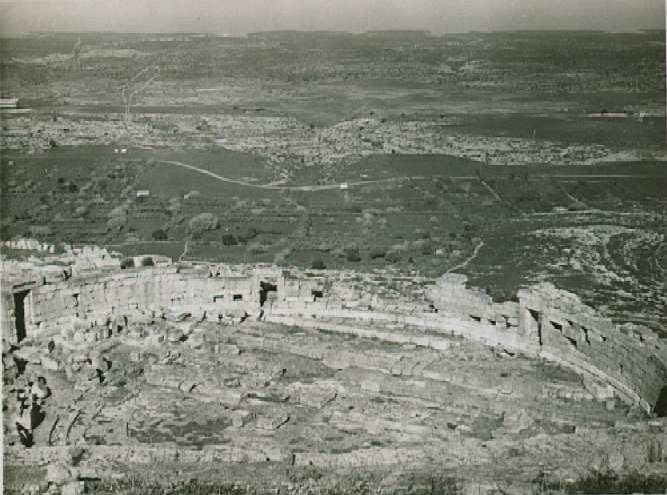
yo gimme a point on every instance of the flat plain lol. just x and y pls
(513, 158)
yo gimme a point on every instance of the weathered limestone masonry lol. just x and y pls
(137, 454)
(631, 442)
(627, 363)
(631, 360)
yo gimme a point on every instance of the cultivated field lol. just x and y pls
(512, 158)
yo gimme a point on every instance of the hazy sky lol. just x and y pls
(240, 16)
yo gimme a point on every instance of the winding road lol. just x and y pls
(347, 185)
(318, 187)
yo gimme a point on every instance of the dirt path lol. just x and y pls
(347, 185)
(315, 187)
(185, 250)
(211, 174)
(464, 263)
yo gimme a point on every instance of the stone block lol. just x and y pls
(50, 364)
(271, 423)
(29, 354)
(233, 382)
(279, 421)
(601, 392)
(315, 395)
(70, 373)
(174, 335)
(195, 340)
(371, 386)
(240, 418)
(74, 488)
(229, 349)
(463, 429)
(88, 374)
(187, 386)
(57, 473)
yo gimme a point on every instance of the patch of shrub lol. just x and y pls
(256, 248)
(159, 235)
(203, 222)
(352, 255)
(126, 263)
(377, 253)
(393, 256)
(229, 240)
(247, 235)
(116, 224)
(609, 482)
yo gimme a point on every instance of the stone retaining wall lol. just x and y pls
(628, 362)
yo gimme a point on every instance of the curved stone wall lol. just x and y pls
(628, 363)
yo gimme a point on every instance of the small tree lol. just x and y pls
(318, 265)
(127, 263)
(202, 223)
(352, 254)
(377, 253)
(229, 240)
(159, 235)
(116, 224)
(256, 248)
(393, 256)
(247, 235)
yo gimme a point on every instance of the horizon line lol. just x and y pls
(339, 31)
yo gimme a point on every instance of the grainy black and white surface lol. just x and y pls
(318, 248)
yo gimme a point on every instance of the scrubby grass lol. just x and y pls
(304, 483)
(609, 482)
(312, 482)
